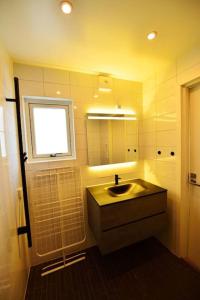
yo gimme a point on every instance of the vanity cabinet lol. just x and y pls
(116, 224)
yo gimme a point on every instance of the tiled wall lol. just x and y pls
(160, 124)
(158, 140)
(81, 88)
(161, 131)
(14, 266)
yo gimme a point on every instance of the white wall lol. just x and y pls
(159, 133)
(161, 130)
(14, 265)
(81, 88)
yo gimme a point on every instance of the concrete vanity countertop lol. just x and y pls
(102, 197)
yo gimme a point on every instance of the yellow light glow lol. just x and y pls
(105, 90)
(113, 166)
(66, 7)
(152, 35)
(96, 96)
(109, 110)
(111, 118)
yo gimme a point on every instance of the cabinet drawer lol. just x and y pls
(124, 212)
(122, 236)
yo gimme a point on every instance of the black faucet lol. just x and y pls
(117, 179)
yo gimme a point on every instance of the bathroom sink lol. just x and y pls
(119, 190)
(110, 193)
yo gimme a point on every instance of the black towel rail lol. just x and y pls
(23, 157)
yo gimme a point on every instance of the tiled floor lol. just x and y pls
(144, 271)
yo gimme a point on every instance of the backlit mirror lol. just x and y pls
(111, 139)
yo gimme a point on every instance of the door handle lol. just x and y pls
(192, 179)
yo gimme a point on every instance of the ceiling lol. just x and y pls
(100, 35)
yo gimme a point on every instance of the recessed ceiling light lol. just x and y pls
(105, 89)
(152, 35)
(66, 7)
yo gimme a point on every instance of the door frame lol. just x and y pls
(185, 140)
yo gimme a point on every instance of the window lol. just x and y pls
(50, 130)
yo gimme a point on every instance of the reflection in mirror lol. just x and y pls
(111, 139)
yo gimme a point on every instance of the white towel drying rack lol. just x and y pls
(57, 213)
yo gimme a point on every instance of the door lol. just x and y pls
(194, 188)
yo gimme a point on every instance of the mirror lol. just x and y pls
(111, 139)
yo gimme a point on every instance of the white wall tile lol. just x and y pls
(82, 157)
(31, 88)
(147, 152)
(166, 122)
(161, 104)
(28, 72)
(104, 98)
(166, 138)
(82, 79)
(149, 84)
(147, 139)
(149, 106)
(166, 169)
(147, 125)
(166, 89)
(81, 142)
(125, 89)
(80, 125)
(56, 90)
(82, 94)
(166, 105)
(56, 76)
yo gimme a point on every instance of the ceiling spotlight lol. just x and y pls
(66, 7)
(152, 35)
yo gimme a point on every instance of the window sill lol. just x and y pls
(49, 160)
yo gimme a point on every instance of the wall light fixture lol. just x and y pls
(92, 116)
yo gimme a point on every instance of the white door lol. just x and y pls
(194, 161)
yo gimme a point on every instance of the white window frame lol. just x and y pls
(29, 103)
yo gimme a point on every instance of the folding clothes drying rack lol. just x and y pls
(57, 213)
(56, 205)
